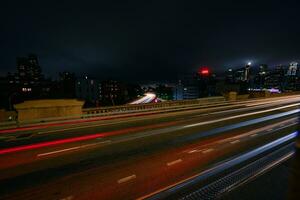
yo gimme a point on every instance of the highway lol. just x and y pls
(135, 157)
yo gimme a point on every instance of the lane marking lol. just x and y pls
(83, 138)
(58, 151)
(263, 102)
(83, 127)
(241, 115)
(118, 132)
(252, 133)
(235, 141)
(194, 151)
(207, 150)
(174, 162)
(128, 178)
(94, 144)
(72, 148)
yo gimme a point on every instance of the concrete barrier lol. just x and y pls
(30, 110)
(7, 115)
(38, 109)
(231, 96)
(242, 97)
(61, 110)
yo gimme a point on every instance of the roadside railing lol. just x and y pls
(149, 106)
(118, 110)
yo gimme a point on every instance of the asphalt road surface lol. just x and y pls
(135, 157)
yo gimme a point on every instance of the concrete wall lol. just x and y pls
(231, 96)
(242, 97)
(7, 115)
(41, 109)
(2, 115)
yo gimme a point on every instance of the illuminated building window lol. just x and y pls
(26, 89)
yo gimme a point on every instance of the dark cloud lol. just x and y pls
(147, 39)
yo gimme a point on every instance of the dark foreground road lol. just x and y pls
(134, 158)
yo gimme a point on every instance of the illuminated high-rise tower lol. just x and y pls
(29, 70)
(293, 68)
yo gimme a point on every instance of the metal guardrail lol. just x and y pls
(124, 109)
(165, 104)
(119, 110)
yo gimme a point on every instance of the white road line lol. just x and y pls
(174, 162)
(263, 102)
(58, 151)
(234, 142)
(207, 150)
(68, 129)
(202, 115)
(128, 178)
(72, 148)
(252, 133)
(86, 126)
(94, 144)
(194, 151)
(241, 115)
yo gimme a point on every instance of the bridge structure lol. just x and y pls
(184, 151)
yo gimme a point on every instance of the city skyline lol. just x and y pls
(29, 82)
(55, 76)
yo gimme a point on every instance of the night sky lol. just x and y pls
(147, 40)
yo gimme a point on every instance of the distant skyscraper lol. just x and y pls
(190, 86)
(67, 84)
(275, 78)
(239, 75)
(292, 79)
(178, 91)
(113, 93)
(260, 78)
(247, 72)
(29, 70)
(28, 82)
(88, 89)
(293, 69)
(263, 69)
(229, 76)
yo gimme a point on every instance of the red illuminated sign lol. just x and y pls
(204, 71)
